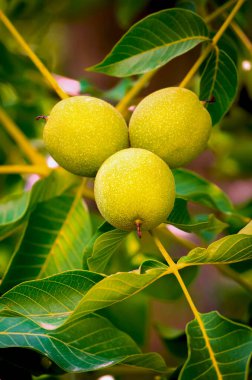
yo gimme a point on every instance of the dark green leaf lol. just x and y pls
(181, 219)
(84, 345)
(154, 41)
(136, 327)
(219, 79)
(228, 44)
(192, 187)
(231, 346)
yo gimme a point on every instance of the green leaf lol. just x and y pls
(231, 345)
(85, 345)
(117, 287)
(228, 45)
(88, 250)
(73, 294)
(49, 302)
(230, 249)
(181, 219)
(219, 79)
(137, 327)
(154, 41)
(192, 187)
(53, 241)
(15, 207)
(104, 247)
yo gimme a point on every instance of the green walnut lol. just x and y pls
(134, 189)
(171, 123)
(82, 132)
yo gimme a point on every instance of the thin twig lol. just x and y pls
(196, 314)
(22, 141)
(214, 42)
(219, 11)
(138, 86)
(34, 58)
(42, 171)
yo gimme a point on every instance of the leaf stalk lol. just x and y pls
(34, 58)
(21, 139)
(42, 171)
(212, 45)
(195, 312)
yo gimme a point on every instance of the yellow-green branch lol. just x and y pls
(224, 269)
(37, 62)
(243, 37)
(196, 314)
(88, 193)
(227, 22)
(21, 139)
(42, 171)
(211, 46)
(131, 94)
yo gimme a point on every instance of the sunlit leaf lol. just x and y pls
(154, 41)
(53, 241)
(218, 80)
(49, 302)
(73, 294)
(14, 207)
(230, 344)
(230, 249)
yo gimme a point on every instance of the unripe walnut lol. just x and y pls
(171, 123)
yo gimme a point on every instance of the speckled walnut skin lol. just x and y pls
(82, 132)
(171, 123)
(134, 186)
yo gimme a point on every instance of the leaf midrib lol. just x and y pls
(202, 38)
(60, 232)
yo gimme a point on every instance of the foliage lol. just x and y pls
(76, 291)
